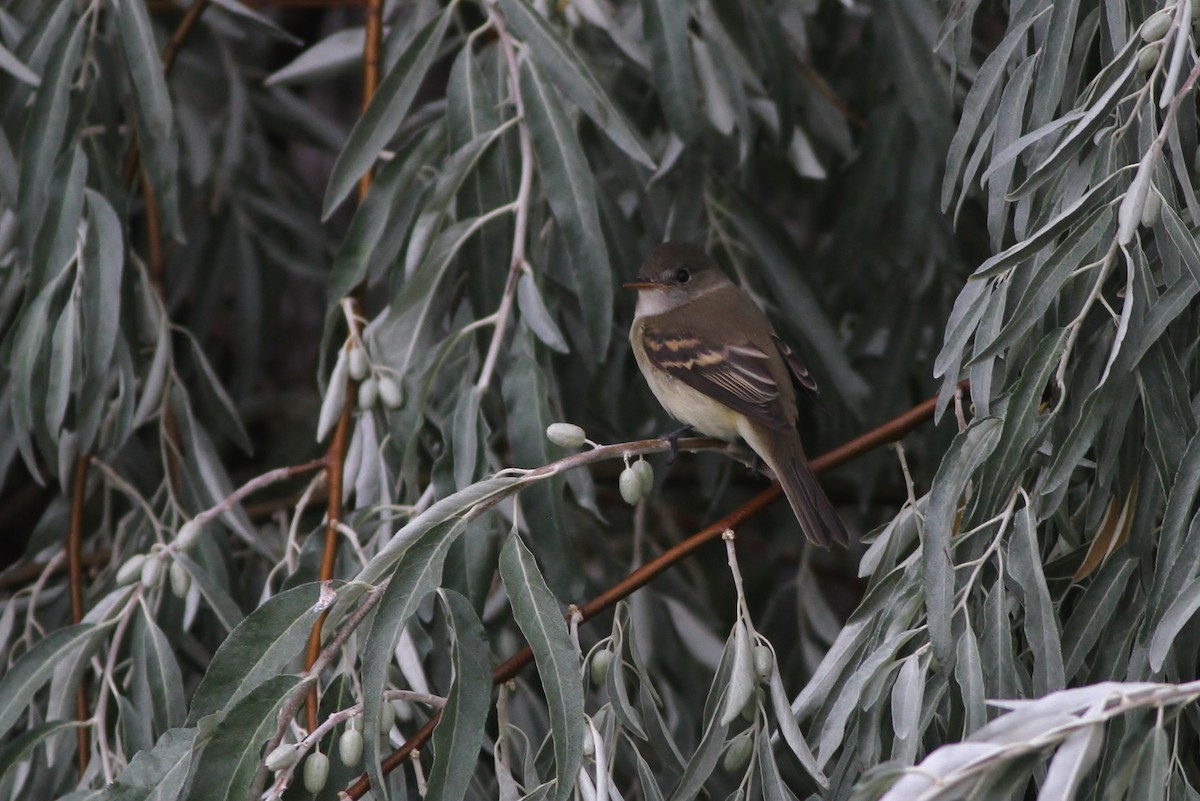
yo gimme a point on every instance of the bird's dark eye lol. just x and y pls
(682, 275)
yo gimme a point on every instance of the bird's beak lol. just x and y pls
(641, 282)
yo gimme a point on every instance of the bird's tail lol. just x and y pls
(812, 507)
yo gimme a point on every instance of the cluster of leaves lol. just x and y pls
(524, 159)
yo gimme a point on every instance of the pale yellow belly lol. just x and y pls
(691, 407)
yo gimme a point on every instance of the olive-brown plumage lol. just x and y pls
(713, 361)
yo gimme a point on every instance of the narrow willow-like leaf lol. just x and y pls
(35, 667)
(1094, 613)
(157, 141)
(537, 316)
(1041, 622)
(1070, 763)
(222, 605)
(417, 573)
(329, 57)
(387, 110)
(14, 67)
(46, 129)
(704, 760)
(966, 453)
(742, 678)
(459, 734)
(968, 672)
(159, 773)
(158, 682)
(262, 646)
(18, 749)
(978, 100)
(666, 28)
(790, 731)
(571, 191)
(538, 615)
(226, 766)
(102, 269)
(573, 77)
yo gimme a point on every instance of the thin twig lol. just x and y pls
(75, 570)
(255, 484)
(888, 432)
(521, 221)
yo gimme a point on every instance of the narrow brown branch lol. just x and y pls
(335, 457)
(171, 50)
(75, 571)
(891, 431)
(24, 575)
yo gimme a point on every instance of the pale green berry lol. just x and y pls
(630, 485)
(181, 580)
(599, 667)
(387, 718)
(350, 747)
(189, 532)
(567, 435)
(151, 572)
(368, 393)
(764, 662)
(1151, 208)
(737, 754)
(1156, 25)
(316, 772)
(389, 393)
(1148, 56)
(131, 570)
(359, 366)
(283, 757)
(645, 474)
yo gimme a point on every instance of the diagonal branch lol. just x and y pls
(891, 431)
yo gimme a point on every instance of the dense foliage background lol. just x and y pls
(194, 298)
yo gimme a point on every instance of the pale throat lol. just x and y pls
(656, 301)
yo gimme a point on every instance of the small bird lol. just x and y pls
(715, 364)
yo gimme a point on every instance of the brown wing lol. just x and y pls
(738, 375)
(798, 369)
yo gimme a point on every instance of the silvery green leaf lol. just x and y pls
(537, 316)
(1052, 69)
(157, 141)
(573, 77)
(773, 786)
(13, 66)
(571, 191)
(34, 668)
(46, 128)
(417, 572)
(18, 749)
(1094, 613)
(226, 765)
(977, 102)
(459, 733)
(1070, 762)
(64, 345)
(335, 395)
(1041, 622)
(242, 11)
(907, 696)
(223, 607)
(967, 452)
(388, 108)
(786, 720)
(665, 26)
(159, 773)
(331, 56)
(263, 645)
(742, 678)
(158, 682)
(465, 440)
(968, 672)
(704, 760)
(541, 621)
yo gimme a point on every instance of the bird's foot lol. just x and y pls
(673, 440)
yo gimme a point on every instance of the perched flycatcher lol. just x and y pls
(715, 364)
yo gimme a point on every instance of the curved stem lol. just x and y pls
(888, 432)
